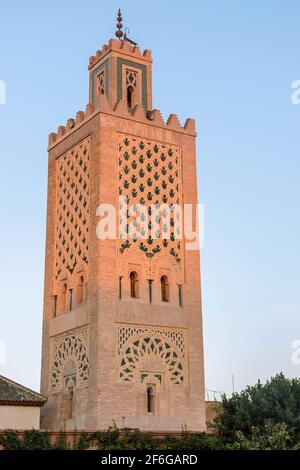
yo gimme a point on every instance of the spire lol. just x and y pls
(119, 32)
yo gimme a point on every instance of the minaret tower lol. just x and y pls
(122, 329)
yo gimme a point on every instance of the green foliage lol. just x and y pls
(11, 441)
(113, 439)
(134, 439)
(261, 415)
(191, 441)
(61, 442)
(272, 437)
(127, 439)
(83, 442)
(108, 440)
(33, 440)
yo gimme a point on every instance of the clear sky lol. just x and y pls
(230, 64)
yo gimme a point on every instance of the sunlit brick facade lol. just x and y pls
(122, 330)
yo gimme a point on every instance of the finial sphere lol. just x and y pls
(119, 32)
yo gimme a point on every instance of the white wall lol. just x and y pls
(19, 417)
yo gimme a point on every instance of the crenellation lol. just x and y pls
(52, 138)
(70, 124)
(92, 60)
(120, 109)
(116, 45)
(79, 117)
(173, 122)
(61, 131)
(190, 125)
(136, 50)
(90, 108)
(148, 54)
(125, 46)
(156, 117)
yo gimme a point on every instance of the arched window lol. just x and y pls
(63, 297)
(101, 83)
(80, 291)
(130, 97)
(165, 290)
(134, 285)
(150, 290)
(69, 374)
(120, 288)
(180, 296)
(70, 403)
(150, 400)
(55, 305)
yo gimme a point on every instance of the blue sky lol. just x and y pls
(228, 64)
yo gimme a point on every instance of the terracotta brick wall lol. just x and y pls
(87, 337)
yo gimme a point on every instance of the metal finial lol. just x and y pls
(119, 32)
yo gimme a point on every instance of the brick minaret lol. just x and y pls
(122, 330)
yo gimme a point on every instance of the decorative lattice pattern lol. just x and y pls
(134, 65)
(103, 67)
(65, 348)
(101, 84)
(156, 344)
(131, 78)
(150, 175)
(72, 216)
(127, 332)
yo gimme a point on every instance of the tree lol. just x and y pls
(272, 437)
(259, 409)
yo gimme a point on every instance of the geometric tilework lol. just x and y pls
(72, 346)
(103, 67)
(137, 343)
(134, 65)
(127, 332)
(131, 78)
